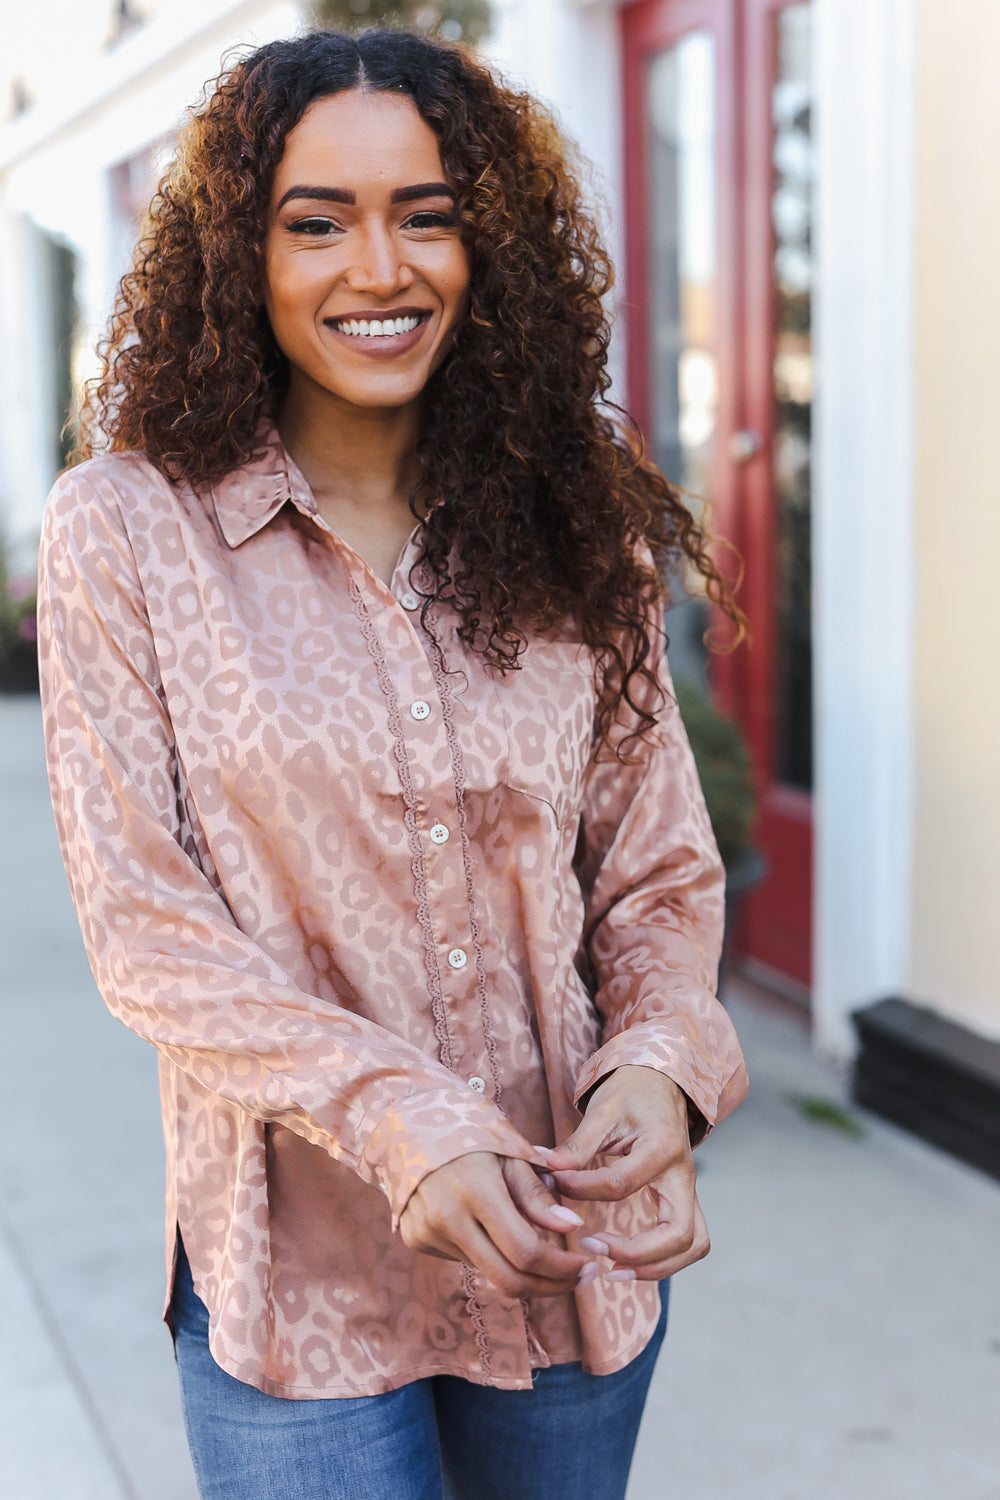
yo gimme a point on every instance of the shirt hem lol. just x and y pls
(424, 1371)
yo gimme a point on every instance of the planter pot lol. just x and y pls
(741, 877)
(19, 668)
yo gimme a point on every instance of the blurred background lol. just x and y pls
(802, 202)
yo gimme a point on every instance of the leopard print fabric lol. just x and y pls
(375, 905)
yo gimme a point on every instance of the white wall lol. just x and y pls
(955, 964)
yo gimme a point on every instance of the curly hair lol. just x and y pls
(549, 515)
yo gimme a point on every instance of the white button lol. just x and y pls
(479, 1084)
(458, 958)
(439, 834)
(409, 601)
(420, 710)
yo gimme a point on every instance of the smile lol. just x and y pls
(375, 328)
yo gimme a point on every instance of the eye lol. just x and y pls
(431, 218)
(314, 227)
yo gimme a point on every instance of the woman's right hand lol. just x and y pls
(487, 1211)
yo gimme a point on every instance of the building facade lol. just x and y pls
(808, 328)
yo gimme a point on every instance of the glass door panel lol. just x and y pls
(683, 326)
(682, 376)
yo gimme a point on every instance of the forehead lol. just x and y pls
(357, 138)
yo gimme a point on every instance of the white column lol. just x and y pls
(863, 529)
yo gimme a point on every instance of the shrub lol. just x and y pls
(723, 763)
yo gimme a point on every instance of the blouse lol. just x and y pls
(376, 905)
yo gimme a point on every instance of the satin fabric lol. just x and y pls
(375, 904)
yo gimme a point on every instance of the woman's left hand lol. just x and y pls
(638, 1118)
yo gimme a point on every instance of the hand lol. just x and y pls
(637, 1117)
(486, 1210)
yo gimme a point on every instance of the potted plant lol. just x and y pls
(723, 763)
(18, 631)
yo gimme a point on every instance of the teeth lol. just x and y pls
(376, 328)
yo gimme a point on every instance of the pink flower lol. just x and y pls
(27, 628)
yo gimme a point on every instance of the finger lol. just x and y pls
(672, 1246)
(660, 1270)
(525, 1247)
(543, 1269)
(485, 1256)
(619, 1177)
(535, 1200)
(594, 1135)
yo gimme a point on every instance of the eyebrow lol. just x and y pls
(412, 194)
(421, 190)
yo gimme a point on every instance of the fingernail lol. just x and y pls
(543, 1150)
(548, 1180)
(567, 1216)
(589, 1273)
(595, 1247)
(621, 1275)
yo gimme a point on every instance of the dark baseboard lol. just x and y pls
(934, 1078)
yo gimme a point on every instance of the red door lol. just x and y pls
(718, 299)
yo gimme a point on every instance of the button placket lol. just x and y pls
(437, 812)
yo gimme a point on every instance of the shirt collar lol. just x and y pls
(248, 497)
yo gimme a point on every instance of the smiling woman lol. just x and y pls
(366, 279)
(376, 805)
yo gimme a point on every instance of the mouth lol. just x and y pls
(390, 325)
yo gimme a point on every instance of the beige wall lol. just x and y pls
(955, 941)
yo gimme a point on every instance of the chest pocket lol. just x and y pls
(530, 730)
(547, 710)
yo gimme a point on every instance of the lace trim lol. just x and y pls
(458, 771)
(475, 1312)
(434, 986)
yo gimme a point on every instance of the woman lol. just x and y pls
(378, 814)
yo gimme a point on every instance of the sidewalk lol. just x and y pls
(842, 1342)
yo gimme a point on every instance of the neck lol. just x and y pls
(355, 459)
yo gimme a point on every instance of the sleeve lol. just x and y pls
(654, 889)
(164, 947)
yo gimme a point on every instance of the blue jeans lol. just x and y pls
(440, 1438)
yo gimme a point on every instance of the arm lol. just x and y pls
(165, 949)
(670, 1066)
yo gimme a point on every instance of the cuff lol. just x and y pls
(429, 1130)
(711, 1094)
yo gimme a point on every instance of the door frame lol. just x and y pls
(777, 929)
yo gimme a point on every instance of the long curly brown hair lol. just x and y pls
(546, 501)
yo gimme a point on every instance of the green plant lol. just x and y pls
(455, 20)
(826, 1112)
(18, 629)
(723, 763)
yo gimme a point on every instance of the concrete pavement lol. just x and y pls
(842, 1342)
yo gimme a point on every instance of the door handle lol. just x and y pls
(744, 445)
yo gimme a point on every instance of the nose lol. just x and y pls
(380, 266)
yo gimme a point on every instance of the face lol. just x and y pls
(366, 276)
